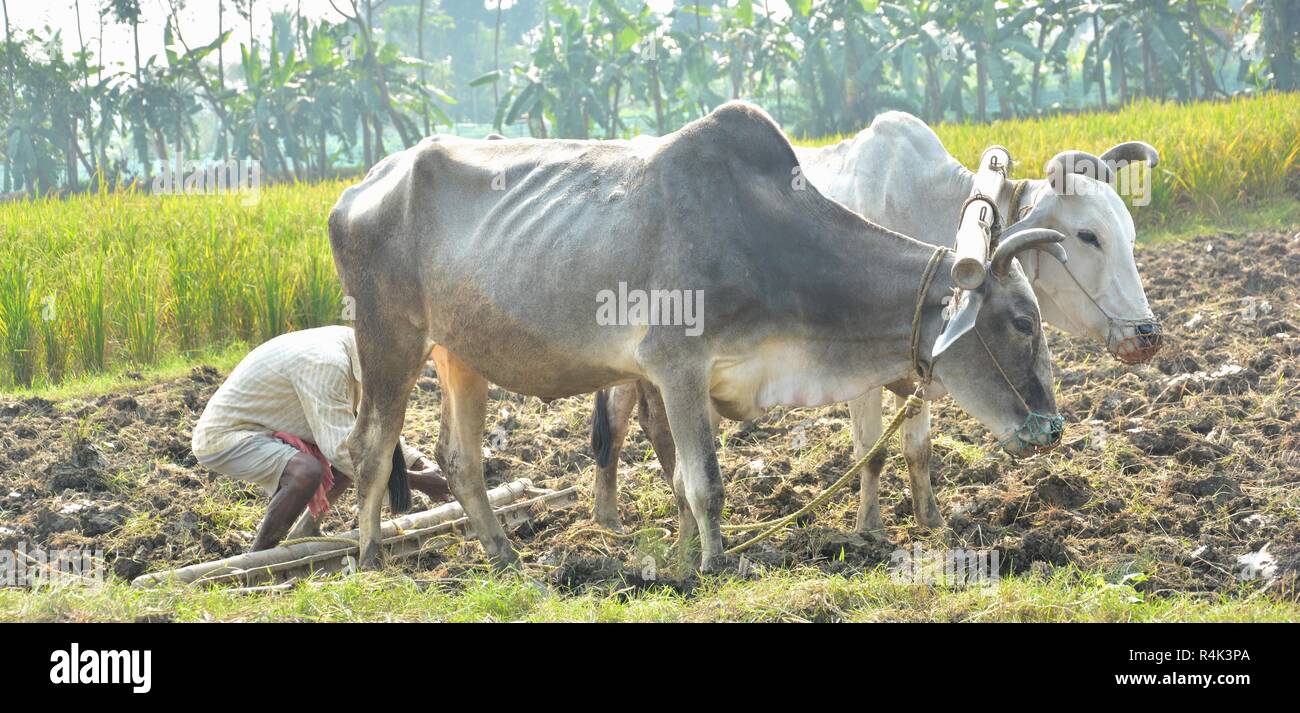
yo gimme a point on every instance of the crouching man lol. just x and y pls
(280, 420)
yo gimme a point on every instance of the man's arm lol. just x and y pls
(415, 460)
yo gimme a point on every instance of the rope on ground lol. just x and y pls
(773, 526)
(662, 531)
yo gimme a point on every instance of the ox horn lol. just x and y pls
(1067, 162)
(1132, 151)
(1032, 239)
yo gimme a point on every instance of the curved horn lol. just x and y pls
(1031, 239)
(1132, 151)
(1067, 162)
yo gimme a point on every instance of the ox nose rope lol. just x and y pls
(1037, 431)
(1128, 349)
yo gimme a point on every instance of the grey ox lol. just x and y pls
(897, 173)
(495, 252)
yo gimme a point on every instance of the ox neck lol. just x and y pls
(894, 268)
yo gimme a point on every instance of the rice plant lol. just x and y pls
(52, 341)
(186, 302)
(318, 296)
(272, 295)
(140, 308)
(19, 309)
(89, 320)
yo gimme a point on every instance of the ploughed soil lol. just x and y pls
(1181, 474)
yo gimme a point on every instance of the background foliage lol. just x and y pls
(122, 279)
(320, 97)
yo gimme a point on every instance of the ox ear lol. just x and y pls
(963, 320)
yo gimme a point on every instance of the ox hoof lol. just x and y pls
(877, 534)
(721, 563)
(368, 559)
(505, 559)
(928, 517)
(936, 524)
(872, 528)
(609, 522)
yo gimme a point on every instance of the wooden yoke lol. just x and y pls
(978, 218)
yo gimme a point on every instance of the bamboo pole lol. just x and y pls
(975, 231)
(515, 502)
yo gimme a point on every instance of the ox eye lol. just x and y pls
(1090, 238)
(1023, 325)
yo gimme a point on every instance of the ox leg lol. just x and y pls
(654, 422)
(866, 412)
(916, 449)
(460, 451)
(392, 358)
(697, 480)
(619, 402)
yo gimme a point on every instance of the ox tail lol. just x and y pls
(601, 440)
(399, 486)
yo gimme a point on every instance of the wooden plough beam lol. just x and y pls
(515, 503)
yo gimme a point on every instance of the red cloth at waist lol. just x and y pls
(319, 503)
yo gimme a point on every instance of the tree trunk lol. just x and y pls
(70, 154)
(1035, 82)
(981, 85)
(1280, 29)
(322, 156)
(366, 163)
(143, 144)
(1065, 82)
(1148, 87)
(221, 75)
(419, 49)
(958, 104)
(221, 55)
(496, 61)
(658, 100)
(1117, 61)
(9, 72)
(380, 151)
(85, 83)
(1198, 44)
(932, 90)
(1101, 62)
(612, 128)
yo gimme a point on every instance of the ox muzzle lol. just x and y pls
(1139, 340)
(1038, 434)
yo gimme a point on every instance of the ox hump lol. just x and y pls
(908, 133)
(742, 132)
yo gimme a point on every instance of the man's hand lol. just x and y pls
(427, 478)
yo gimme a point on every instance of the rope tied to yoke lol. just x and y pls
(913, 401)
(924, 373)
